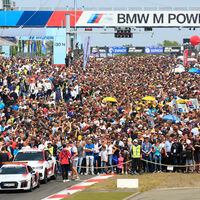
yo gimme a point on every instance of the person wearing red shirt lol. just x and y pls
(64, 162)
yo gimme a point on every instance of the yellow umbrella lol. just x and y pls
(111, 99)
(148, 98)
(181, 101)
(186, 100)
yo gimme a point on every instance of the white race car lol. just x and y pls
(18, 176)
(40, 160)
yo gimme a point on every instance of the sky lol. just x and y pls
(138, 39)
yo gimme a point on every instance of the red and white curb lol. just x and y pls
(78, 187)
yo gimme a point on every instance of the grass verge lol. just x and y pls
(152, 181)
(146, 182)
(99, 196)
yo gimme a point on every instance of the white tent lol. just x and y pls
(179, 69)
(189, 59)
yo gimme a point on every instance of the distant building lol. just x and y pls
(7, 4)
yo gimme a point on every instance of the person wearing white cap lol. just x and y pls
(136, 155)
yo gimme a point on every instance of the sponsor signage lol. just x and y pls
(117, 50)
(140, 18)
(172, 49)
(135, 49)
(37, 38)
(103, 49)
(89, 19)
(148, 50)
(99, 49)
(153, 50)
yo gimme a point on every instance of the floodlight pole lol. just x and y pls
(68, 46)
(75, 29)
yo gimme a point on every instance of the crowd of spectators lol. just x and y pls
(54, 107)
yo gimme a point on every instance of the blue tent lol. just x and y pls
(194, 70)
(171, 118)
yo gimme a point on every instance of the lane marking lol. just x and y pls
(94, 180)
(77, 188)
(58, 196)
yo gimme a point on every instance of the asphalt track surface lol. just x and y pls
(45, 190)
(169, 194)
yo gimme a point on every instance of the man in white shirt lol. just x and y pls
(42, 145)
(47, 88)
(195, 130)
(121, 144)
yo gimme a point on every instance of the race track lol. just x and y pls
(53, 186)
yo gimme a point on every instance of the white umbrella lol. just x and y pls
(179, 69)
(189, 59)
(192, 59)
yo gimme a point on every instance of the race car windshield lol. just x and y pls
(13, 170)
(29, 156)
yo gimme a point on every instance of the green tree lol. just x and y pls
(168, 43)
(127, 45)
(28, 46)
(49, 48)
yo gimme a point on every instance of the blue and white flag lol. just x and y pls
(95, 53)
(86, 51)
(25, 47)
(43, 47)
(31, 46)
(34, 46)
